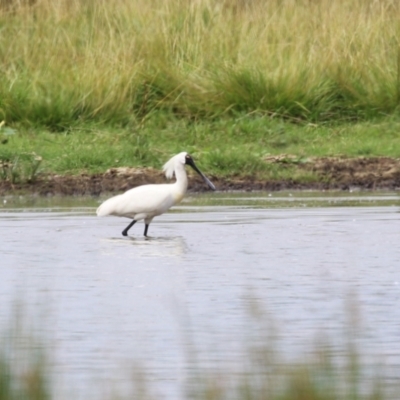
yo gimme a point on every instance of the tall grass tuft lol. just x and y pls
(23, 366)
(116, 62)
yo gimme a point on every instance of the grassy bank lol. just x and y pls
(117, 62)
(89, 85)
(227, 147)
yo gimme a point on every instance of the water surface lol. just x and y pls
(184, 296)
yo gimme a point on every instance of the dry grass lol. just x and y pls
(117, 61)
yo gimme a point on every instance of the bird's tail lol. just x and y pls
(108, 207)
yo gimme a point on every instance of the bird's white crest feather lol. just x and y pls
(170, 165)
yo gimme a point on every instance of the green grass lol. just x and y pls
(116, 62)
(225, 147)
(94, 84)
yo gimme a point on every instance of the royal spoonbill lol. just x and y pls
(148, 201)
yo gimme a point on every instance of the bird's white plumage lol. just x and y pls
(170, 166)
(147, 201)
(142, 202)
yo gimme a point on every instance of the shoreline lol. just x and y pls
(324, 173)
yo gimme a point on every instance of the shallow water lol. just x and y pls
(183, 298)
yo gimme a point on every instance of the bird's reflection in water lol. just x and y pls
(150, 246)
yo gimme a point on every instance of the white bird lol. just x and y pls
(148, 201)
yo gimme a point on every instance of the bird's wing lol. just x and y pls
(146, 200)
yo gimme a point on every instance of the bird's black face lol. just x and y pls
(189, 161)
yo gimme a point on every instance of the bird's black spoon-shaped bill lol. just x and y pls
(206, 180)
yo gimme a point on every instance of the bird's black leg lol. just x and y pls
(146, 227)
(125, 231)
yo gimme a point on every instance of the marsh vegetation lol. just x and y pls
(118, 62)
(89, 85)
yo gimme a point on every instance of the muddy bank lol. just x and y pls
(314, 173)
